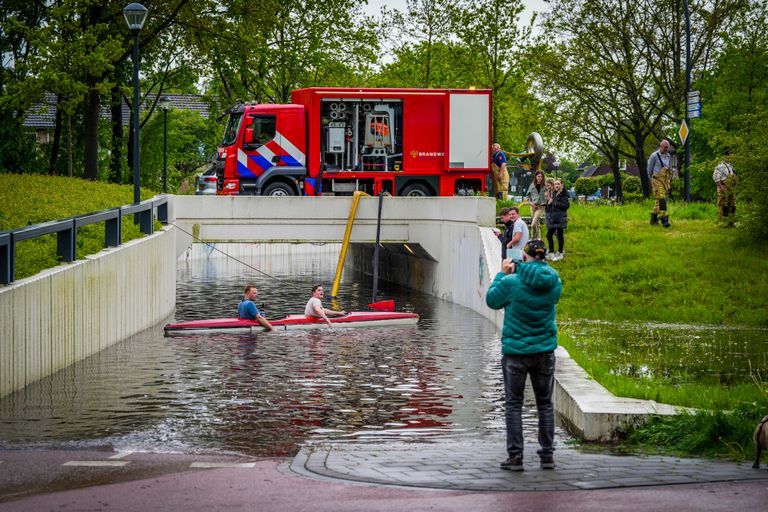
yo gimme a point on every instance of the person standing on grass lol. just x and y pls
(528, 292)
(500, 173)
(725, 179)
(557, 220)
(536, 196)
(661, 179)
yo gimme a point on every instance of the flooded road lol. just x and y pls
(266, 394)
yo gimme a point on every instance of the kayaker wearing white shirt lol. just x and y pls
(315, 306)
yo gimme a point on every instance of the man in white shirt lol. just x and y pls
(315, 308)
(519, 235)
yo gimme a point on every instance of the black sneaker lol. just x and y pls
(547, 462)
(513, 463)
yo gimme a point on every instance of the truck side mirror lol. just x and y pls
(249, 135)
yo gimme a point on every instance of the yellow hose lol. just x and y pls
(345, 243)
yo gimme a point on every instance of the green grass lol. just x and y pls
(619, 268)
(32, 199)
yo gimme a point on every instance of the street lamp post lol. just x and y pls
(135, 14)
(165, 104)
(687, 177)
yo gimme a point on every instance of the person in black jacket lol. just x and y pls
(557, 219)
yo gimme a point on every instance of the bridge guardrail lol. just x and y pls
(66, 231)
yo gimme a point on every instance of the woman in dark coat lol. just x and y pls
(557, 219)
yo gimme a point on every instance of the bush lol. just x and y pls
(586, 186)
(606, 180)
(631, 185)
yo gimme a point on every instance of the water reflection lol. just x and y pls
(680, 354)
(265, 394)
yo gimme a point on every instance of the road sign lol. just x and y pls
(684, 131)
(695, 111)
(694, 94)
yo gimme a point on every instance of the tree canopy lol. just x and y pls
(598, 79)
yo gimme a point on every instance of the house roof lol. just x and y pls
(594, 170)
(43, 115)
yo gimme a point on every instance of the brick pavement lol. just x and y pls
(473, 465)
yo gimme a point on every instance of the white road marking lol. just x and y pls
(120, 455)
(222, 465)
(97, 463)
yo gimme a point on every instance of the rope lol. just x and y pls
(222, 252)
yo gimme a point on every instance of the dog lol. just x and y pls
(761, 440)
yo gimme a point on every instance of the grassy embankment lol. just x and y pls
(32, 199)
(618, 268)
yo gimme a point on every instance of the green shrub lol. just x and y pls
(606, 180)
(631, 185)
(586, 186)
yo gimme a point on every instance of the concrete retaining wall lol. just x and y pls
(66, 313)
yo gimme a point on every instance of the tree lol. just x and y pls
(612, 80)
(265, 51)
(423, 28)
(735, 116)
(490, 46)
(15, 54)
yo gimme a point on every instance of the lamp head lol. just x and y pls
(135, 15)
(165, 103)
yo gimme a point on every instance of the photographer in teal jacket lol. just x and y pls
(529, 293)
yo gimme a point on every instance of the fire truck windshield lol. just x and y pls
(233, 126)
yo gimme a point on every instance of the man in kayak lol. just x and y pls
(247, 308)
(315, 306)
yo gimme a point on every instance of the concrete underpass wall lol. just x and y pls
(469, 257)
(62, 315)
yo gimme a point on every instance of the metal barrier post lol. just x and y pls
(66, 243)
(113, 229)
(162, 212)
(6, 248)
(146, 224)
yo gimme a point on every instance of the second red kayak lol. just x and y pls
(296, 322)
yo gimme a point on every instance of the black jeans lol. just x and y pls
(541, 368)
(560, 240)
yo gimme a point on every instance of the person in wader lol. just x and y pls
(499, 173)
(725, 179)
(661, 179)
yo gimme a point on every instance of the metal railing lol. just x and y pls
(66, 231)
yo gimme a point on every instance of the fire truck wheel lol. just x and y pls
(416, 190)
(279, 189)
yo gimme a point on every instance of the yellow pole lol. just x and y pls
(345, 243)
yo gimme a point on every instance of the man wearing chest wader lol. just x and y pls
(661, 178)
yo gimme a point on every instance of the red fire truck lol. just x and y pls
(407, 142)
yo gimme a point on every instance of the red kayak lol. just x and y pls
(295, 322)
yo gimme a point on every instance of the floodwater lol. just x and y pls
(266, 394)
(678, 354)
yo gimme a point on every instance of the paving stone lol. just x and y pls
(474, 465)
